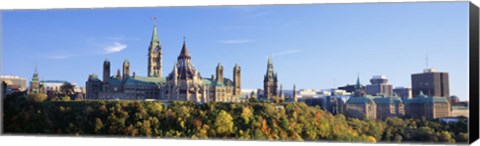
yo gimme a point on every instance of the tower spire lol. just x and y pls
(270, 72)
(155, 34)
(358, 81)
(36, 71)
(184, 53)
(155, 20)
(155, 53)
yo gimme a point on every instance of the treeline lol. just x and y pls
(246, 121)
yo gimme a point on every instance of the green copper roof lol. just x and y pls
(387, 100)
(155, 42)
(459, 107)
(93, 77)
(115, 81)
(146, 79)
(35, 75)
(154, 34)
(270, 73)
(427, 99)
(358, 85)
(361, 100)
(213, 83)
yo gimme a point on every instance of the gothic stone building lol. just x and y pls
(360, 105)
(389, 106)
(183, 83)
(270, 82)
(430, 107)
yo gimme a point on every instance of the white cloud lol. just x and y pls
(239, 41)
(115, 47)
(286, 52)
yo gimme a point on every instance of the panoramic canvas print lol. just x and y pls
(376, 72)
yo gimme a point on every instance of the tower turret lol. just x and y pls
(119, 75)
(282, 95)
(295, 99)
(359, 91)
(35, 83)
(126, 69)
(106, 75)
(270, 82)
(219, 72)
(237, 80)
(155, 67)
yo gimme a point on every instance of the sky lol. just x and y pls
(313, 46)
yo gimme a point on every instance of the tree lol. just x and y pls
(98, 125)
(246, 115)
(65, 98)
(79, 97)
(462, 137)
(67, 88)
(40, 97)
(224, 123)
(397, 138)
(445, 136)
(252, 99)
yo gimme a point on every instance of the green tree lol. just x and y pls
(397, 138)
(445, 136)
(98, 125)
(40, 97)
(246, 115)
(224, 123)
(67, 89)
(65, 98)
(462, 137)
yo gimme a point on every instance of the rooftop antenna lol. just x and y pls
(334, 85)
(426, 60)
(155, 20)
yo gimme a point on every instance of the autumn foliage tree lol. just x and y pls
(251, 120)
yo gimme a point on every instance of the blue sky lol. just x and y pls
(313, 46)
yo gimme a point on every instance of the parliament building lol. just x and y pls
(183, 83)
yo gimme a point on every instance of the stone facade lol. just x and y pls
(430, 107)
(184, 82)
(460, 110)
(35, 83)
(403, 92)
(270, 82)
(360, 105)
(389, 106)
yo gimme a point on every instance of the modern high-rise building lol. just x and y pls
(403, 92)
(431, 83)
(379, 86)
